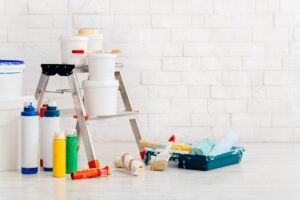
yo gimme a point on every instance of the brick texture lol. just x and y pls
(197, 68)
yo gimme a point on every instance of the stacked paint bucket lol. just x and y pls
(74, 49)
(11, 104)
(101, 89)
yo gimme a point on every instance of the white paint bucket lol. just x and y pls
(11, 78)
(70, 43)
(95, 39)
(100, 98)
(10, 113)
(102, 66)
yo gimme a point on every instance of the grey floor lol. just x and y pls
(268, 171)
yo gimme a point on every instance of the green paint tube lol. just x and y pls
(71, 154)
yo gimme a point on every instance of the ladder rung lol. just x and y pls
(121, 114)
(60, 91)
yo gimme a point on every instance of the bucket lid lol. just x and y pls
(8, 65)
(71, 132)
(102, 55)
(80, 38)
(88, 31)
(89, 83)
(11, 62)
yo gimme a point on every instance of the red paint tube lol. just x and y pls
(90, 173)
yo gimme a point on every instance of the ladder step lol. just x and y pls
(121, 114)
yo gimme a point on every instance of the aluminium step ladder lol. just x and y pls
(82, 126)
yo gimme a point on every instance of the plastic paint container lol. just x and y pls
(11, 77)
(41, 114)
(69, 43)
(102, 66)
(29, 140)
(71, 151)
(49, 125)
(100, 97)
(10, 140)
(59, 156)
(95, 42)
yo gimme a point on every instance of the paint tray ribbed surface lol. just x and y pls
(205, 163)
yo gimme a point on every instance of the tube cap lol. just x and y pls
(48, 169)
(51, 110)
(29, 110)
(88, 32)
(29, 170)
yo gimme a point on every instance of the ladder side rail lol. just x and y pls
(133, 122)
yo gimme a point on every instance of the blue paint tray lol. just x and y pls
(205, 163)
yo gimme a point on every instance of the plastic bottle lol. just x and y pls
(59, 155)
(71, 151)
(50, 125)
(41, 114)
(225, 144)
(29, 139)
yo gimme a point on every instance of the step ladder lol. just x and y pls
(83, 130)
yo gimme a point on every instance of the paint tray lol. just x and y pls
(205, 163)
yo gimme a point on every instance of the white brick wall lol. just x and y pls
(197, 68)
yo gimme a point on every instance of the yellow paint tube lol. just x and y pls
(59, 156)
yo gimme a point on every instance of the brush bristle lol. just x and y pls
(158, 165)
(147, 144)
(118, 163)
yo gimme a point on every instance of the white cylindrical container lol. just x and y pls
(11, 77)
(100, 97)
(41, 115)
(70, 43)
(95, 39)
(102, 66)
(29, 140)
(50, 125)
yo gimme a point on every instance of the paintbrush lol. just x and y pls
(174, 147)
(160, 162)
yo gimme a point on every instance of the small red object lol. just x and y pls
(78, 51)
(86, 118)
(142, 154)
(42, 110)
(94, 164)
(90, 173)
(172, 138)
(41, 163)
